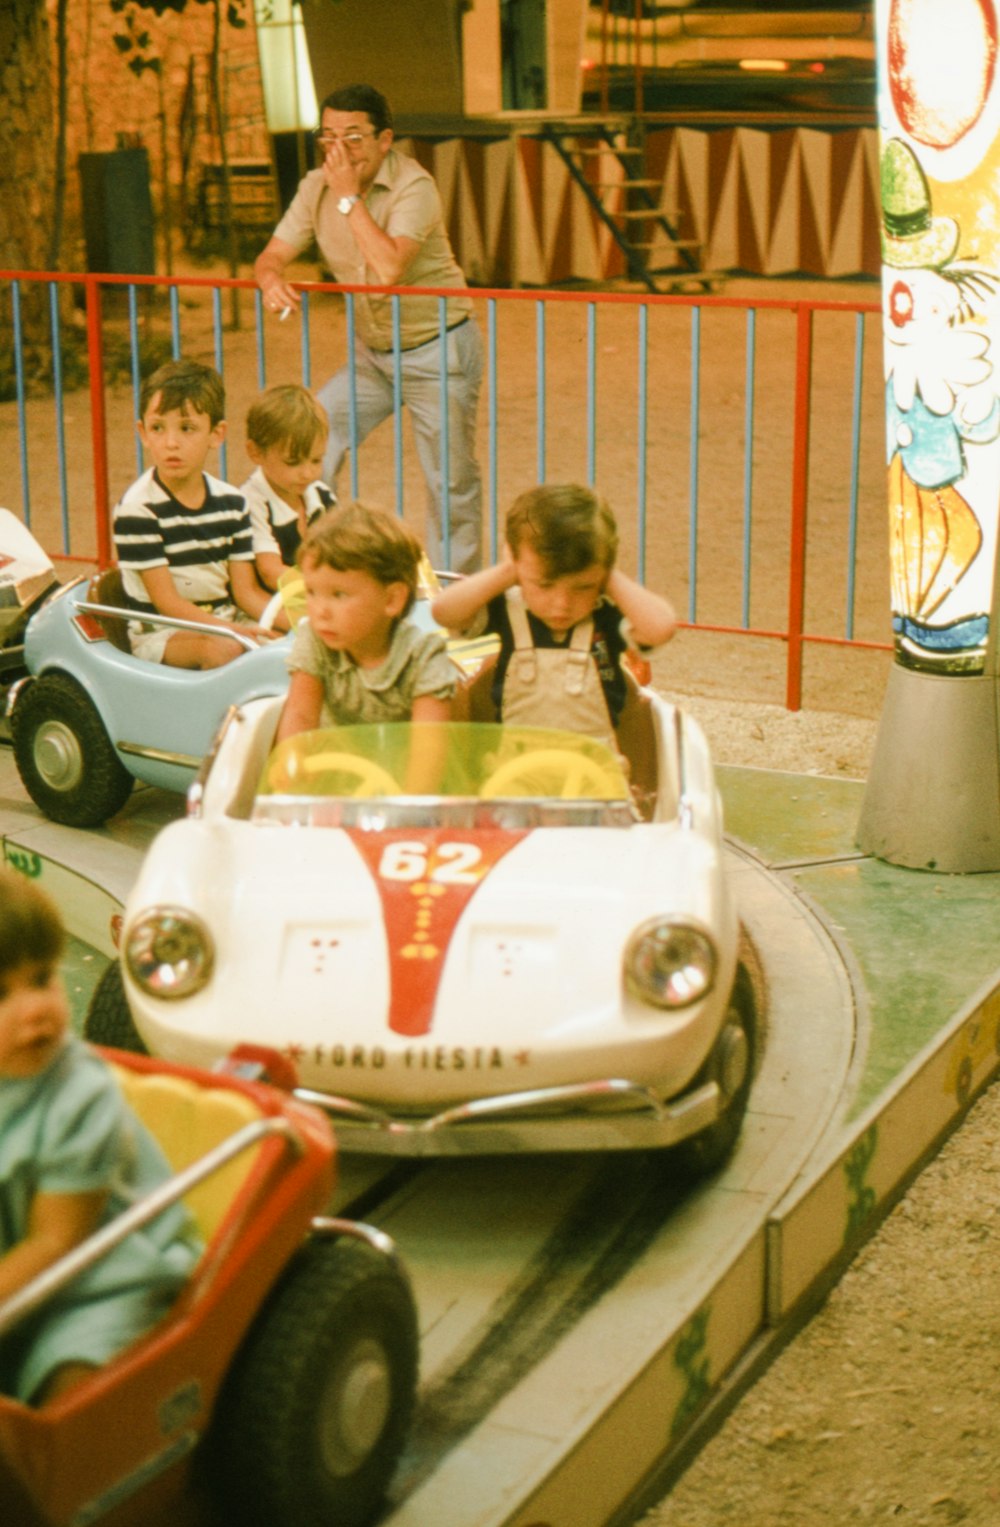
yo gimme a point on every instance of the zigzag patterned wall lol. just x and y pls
(767, 203)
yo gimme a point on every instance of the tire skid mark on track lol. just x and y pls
(613, 1221)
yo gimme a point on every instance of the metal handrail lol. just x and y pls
(55, 1278)
(171, 622)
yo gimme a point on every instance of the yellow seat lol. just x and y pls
(188, 1121)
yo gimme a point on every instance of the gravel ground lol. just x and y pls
(884, 1408)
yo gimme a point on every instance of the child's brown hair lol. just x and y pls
(369, 540)
(568, 526)
(31, 930)
(184, 382)
(290, 416)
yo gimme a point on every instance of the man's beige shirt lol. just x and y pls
(404, 201)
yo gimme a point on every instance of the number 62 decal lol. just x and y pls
(447, 863)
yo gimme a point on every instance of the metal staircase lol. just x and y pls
(638, 224)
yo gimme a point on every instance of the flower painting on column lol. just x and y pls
(939, 111)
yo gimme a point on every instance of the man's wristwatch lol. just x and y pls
(345, 203)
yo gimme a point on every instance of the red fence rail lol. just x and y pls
(697, 415)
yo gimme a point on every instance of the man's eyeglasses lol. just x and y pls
(353, 139)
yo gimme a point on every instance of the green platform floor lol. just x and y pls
(917, 944)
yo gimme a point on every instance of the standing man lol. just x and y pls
(376, 215)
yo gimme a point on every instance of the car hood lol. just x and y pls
(407, 964)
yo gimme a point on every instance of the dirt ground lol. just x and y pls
(884, 1408)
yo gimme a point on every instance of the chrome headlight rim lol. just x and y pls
(169, 974)
(688, 956)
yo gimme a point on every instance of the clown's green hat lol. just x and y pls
(911, 236)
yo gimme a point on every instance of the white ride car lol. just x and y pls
(468, 937)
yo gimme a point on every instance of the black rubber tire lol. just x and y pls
(706, 1152)
(64, 756)
(341, 1322)
(109, 1020)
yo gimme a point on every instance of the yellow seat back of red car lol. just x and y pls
(188, 1121)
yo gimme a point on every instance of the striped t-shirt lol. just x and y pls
(152, 529)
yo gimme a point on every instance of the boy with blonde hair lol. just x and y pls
(565, 614)
(286, 438)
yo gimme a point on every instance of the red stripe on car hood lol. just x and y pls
(425, 881)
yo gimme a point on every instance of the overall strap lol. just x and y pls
(523, 655)
(578, 656)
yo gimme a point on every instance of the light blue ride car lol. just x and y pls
(89, 719)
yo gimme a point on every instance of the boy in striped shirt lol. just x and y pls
(183, 537)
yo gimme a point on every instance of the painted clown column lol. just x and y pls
(933, 794)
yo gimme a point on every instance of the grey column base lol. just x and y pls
(932, 800)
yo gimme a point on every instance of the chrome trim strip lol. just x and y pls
(158, 755)
(505, 1123)
(685, 805)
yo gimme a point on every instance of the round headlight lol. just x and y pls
(669, 964)
(169, 952)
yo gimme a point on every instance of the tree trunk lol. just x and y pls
(59, 188)
(26, 157)
(222, 124)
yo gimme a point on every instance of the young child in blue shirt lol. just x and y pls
(72, 1157)
(565, 614)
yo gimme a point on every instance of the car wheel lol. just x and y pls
(109, 1019)
(64, 756)
(731, 1065)
(316, 1409)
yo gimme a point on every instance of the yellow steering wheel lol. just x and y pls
(371, 778)
(551, 772)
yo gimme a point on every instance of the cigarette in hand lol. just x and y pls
(284, 312)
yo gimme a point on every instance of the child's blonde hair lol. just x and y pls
(31, 930)
(568, 526)
(287, 415)
(353, 536)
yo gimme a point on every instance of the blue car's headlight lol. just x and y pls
(169, 952)
(669, 964)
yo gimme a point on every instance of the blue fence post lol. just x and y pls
(445, 430)
(397, 399)
(22, 418)
(491, 366)
(306, 351)
(693, 463)
(540, 385)
(748, 426)
(220, 368)
(352, 392)
(136, 370)
(852, 525)
(57, 391)
(642, 383)
(591, 393)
